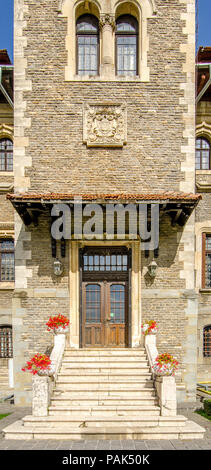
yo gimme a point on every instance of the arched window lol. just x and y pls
(202, 154)
(126, 45)
(6, 341)
(6, 155)
(87, 31)
(207, 341)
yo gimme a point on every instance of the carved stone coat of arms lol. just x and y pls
(104, 125)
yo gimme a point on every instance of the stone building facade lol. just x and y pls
(203, 222)
(104, 114)
(6, 221)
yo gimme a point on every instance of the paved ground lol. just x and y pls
(17, 413)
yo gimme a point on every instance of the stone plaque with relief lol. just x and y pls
(105, 125)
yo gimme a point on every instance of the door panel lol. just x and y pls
(116, 314)
(92, 315)
(105, 314)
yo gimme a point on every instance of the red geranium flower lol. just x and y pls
(38, 362)
(57, 321)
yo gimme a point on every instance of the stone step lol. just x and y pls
(110, 355)
(105, 393)
(104, 359)
(109, 351)
(106, 370)
(109, 363)
(190, 430)
(87, 421)
(102, 400)
(112, 374)
(102, 378)
(118, 408)
(97, 386)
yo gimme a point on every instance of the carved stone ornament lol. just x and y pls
(104, 125)
(107, 19)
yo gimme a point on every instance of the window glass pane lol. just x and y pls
(208, 270)
(117, 303)
(202, 154)
(126, 45)
(87, 44)
(7, 271)
(93, 299)
(105, 262)
(6, 245)
(208, 242)
(7, 267)
(6, 155)
(6, 342)
(87, 23)
(126, 23)
(207, 341)
(205, 144)
(3, 161)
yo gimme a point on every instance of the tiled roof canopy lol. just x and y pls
(164, 196)
(178, 206)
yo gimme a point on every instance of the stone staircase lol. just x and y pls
(104, 394)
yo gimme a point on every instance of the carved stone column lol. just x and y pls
(41, 392)
(107, 25)
(166, 390)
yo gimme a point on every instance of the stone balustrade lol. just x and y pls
(165, 385)
(42, 386)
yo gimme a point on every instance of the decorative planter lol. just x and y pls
(46, 372)
(165, 365)
(58, 324)
(165, 370)
(60, 330)
(150, 328)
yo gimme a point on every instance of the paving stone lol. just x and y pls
(140, 445)
(166, 445)
(178, 444)
(104, 445)
(78, 445)
(128, 445)
(116, 445)
(153, 445)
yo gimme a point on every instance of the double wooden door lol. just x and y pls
(105, 313)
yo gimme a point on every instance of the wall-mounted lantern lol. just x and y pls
(152, 268)
(57, 267)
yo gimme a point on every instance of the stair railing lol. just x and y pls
(42, 385)
(165, 385)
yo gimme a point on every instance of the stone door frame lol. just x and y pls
(74, 288)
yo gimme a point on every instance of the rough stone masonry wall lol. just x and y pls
(6, 214)
(60, 160)
(203, 224)
(50, 156)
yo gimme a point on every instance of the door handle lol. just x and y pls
(111, 315)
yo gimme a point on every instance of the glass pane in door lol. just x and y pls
(93, 303)
(117, 303)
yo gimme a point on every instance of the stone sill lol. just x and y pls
(205, 291)
(7, 285)
(98, 78)
(203, 172)
(7, 173)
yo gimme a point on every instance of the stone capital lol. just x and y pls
(107, 19)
